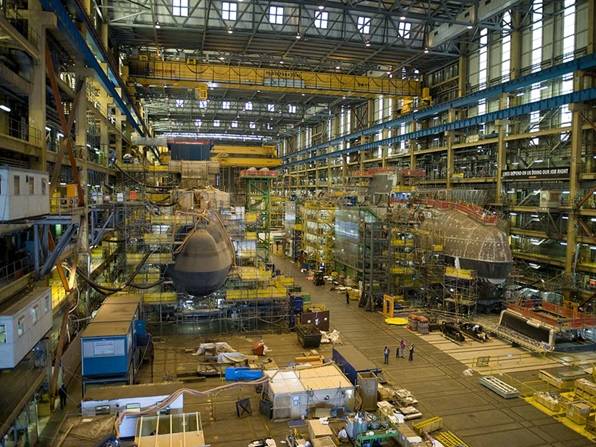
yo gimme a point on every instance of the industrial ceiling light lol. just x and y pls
(321, 7)
(5, 108)
(230, 31)
(157, 25)
(298, 36)
(469, 27)
(337, 67)
(367, 43)
(426, 51)
(281, 62)
(402, 18)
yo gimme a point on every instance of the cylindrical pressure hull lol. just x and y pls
(204, 261)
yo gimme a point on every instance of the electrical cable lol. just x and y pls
(105, 290)
(153, 409)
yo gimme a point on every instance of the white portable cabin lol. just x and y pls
(294, 392)
(23, 324)
(23, 193)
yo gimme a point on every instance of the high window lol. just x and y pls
(229, 10)
(276, 15)
(364, 25)
(180, 8)
(536, 61)
(321, 18)
(482, 68)
(506, 47)
(568, 54)
(404, 29)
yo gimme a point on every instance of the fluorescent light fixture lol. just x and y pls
(513, 214)
(520, 94)
(5, 108)
(540, 160)
(48, 129)
(469, 27)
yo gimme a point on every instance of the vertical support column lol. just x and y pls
(370, 119)
(501, 152)
(574, 185)
(119, 121)
(104, 136)
(86, 4)
(412, 144)
(462, 82)
(516, 44)
(81, 148)
(450, 161)
(37, 97)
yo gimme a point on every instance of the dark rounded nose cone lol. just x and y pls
(203, 264)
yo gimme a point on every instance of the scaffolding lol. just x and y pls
(319, 233)
(258, 211)
(402, 252)
(350, 222)
(374, 264)
(460, 291)
(293, 229)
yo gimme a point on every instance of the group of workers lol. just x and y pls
(399, 352)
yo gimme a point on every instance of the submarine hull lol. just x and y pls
(199, 283)
(203, 261)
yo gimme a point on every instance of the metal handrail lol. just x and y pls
(15, 269)
(21, 130)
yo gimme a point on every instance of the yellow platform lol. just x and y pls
(396, 321)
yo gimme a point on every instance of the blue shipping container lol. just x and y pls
(107, 349)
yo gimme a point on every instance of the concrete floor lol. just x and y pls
(478, 416)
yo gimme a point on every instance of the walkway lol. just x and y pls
(478, 416)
